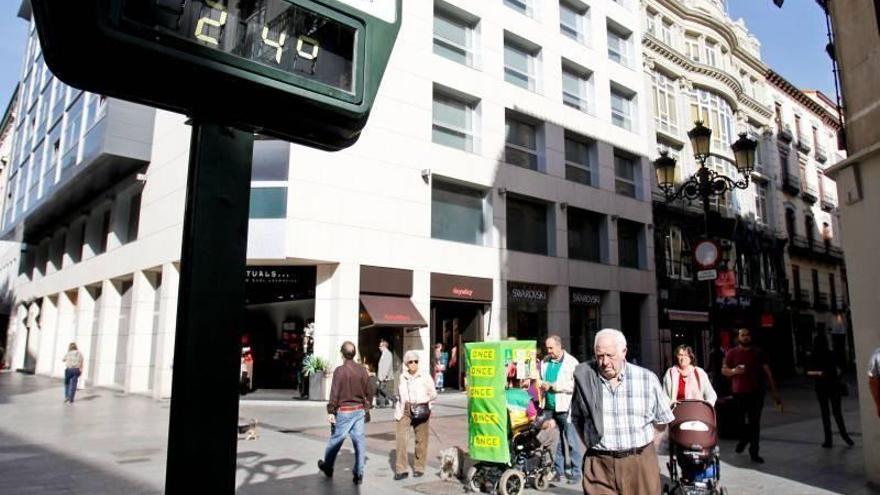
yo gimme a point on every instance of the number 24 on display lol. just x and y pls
(301, 41)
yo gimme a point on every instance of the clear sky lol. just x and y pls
(793, 40)
(13, 36)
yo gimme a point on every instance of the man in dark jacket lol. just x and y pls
(348, 410)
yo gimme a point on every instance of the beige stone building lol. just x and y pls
(856, 25)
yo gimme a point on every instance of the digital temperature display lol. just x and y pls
(273, 33)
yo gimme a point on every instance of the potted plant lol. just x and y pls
(318, 371)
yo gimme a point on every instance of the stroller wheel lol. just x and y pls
(542, 481)
(470, 480)
(512, 482)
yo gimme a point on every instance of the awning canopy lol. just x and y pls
(389, 311)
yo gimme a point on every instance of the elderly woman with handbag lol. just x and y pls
(413, 411)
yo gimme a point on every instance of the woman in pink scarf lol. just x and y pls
(685, 380)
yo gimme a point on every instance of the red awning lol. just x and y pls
(390, 311)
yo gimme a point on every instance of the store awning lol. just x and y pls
(389, 311)
(694, 316)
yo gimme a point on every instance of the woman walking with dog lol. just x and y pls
(413, 411)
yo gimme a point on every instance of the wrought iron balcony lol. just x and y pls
(809, 192)
(821, 300)
(784, 133)
(791, 183)
(802, 144)
(820, 154)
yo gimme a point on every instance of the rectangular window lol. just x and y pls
(271, 160)
(624, 176)
(666, 32)
(761, 203)
(453, 38)
(572, 21)
(665, 113)
(628, 239)
(457, 213)
(268, 202)
(575, 89)
(521, 148)
(453, 122)
(621, 109)
(618, 46)
(519, 65)
(711, 53)
(577, 161)
(678, 265)
(522, 6)
(584, 235)
(692, 47)
(527, 226)
(72, 128)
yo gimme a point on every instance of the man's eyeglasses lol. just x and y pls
(413, 361)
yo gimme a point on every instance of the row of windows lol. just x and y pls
(568, 9)
(455, 124)
(455, 36)
(462, 213)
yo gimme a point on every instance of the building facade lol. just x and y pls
(805, 126)
(856, 27)
(436, 227)
(703, 66)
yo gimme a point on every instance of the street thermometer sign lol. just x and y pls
(300, 70)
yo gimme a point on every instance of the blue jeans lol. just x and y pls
(71, 376)
(568, 448)
(348, 424)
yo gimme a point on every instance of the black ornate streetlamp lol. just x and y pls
(706, 183)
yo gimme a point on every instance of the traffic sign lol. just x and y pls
(703, 275)
(306, 71)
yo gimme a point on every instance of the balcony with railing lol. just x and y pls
(820, 154)
(803, 143)
(802, 297)
(809, 191)
(838, 303)
(820, 301)
(784, 132)
(791, 182)
(828, 199)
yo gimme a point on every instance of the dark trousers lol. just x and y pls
(830, 394)
(71, 377)
(748, 410)
(384, 397)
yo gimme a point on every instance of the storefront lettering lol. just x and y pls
(396, 317)
(484, 418)
(487, 441)
(584, 298)
(459, 291)
(529, 294)
(481, 392)
(483, 354)
(734, 302)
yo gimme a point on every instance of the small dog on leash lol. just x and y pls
(450, 463)
(249, 430)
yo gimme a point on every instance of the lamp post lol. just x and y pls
(706, 183)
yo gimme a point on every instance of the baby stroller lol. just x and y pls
(530, 464)
(694, 462)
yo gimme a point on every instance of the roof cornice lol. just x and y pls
(799, 96)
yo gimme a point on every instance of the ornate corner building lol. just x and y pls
(701, 65)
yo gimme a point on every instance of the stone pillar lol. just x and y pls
(17, 340)
(419, 340)
(650, 334)
(337, 306)
(166, 330)
(85, 324)
(65, 326)
(558, 317)
(139, 352)
(610, 310)
(41, 338)
(108, 334)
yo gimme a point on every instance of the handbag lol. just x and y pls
(419, 412)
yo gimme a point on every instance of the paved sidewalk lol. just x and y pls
(114, 443)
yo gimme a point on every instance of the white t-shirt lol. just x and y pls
(874, 364)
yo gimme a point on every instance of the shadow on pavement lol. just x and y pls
(27, 468)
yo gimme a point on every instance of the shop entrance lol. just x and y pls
(279, 308)
(452, 325)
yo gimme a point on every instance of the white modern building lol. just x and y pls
(502, 188)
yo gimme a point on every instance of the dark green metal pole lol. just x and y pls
(202, 431)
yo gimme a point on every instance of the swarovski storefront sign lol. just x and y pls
(527, 293)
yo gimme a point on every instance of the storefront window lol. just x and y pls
(585, 311)
(527, 311)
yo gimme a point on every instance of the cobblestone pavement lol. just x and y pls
(109, 442)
